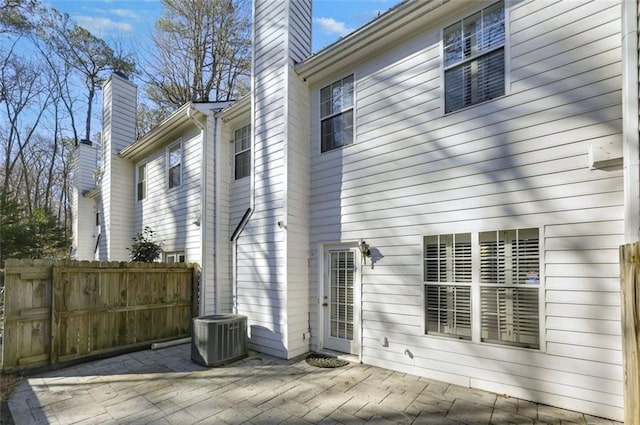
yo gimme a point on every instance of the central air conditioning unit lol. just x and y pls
(218, 339)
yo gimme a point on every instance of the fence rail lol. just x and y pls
(62, 311)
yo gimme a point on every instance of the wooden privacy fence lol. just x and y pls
(630, 290)
(62, 311)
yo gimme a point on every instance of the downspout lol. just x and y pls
(203, 212)
(363, 262)
(630, 136)
(216, 192)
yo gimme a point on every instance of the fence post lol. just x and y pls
(630, 303)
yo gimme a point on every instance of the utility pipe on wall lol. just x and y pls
(203, 205)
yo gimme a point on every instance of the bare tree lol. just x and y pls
(92, 57)
(202, 52)
(46, 62)
(24, 98)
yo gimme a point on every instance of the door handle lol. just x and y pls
(325, 305)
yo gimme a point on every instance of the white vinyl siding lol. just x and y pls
(117, 197)
(172, 213)
(474, 58)
(336, 114)
(271, 270)
(516, 162)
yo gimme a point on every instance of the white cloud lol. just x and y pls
(100, 26)
(125, 13)
(331, 26)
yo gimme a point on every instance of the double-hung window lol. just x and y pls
(509, 286)
(474, 58)
(242, 152)
(174, 165)
(336, 114)
(141, 182)
(500, 269)
(447, 271)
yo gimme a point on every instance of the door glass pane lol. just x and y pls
(342, 275)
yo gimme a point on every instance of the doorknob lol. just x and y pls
(325, 305)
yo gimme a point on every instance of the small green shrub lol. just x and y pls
(145, 249)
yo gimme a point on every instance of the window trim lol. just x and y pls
(236, 154)
(352, 108)
(177, 254)
(448, 255)
(170, 147)
(138, 182)
(476, 287)
(506, 48)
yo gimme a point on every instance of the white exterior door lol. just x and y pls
(341, 301)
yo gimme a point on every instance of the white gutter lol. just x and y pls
(630, 136)
(203, 208)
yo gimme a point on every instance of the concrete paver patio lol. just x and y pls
(165, 387)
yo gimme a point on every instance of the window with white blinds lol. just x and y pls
(447, 271)
(474, 58)
(342, 278)
(502, 269)
(509, 279)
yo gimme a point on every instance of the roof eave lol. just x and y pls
(178, 118)
(389, 28)
(237, 110)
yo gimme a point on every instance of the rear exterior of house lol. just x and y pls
(440, 193)
(457, 146)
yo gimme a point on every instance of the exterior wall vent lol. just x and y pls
(218, 339)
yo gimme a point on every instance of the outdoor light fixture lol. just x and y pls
(364, 248)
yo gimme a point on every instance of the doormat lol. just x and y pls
(322, 360)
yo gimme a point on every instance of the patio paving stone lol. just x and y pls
(165, 387)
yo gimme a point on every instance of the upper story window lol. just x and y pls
(174, 165)
(474, 58)
(336, 114)
(242, 152)
(141, 177)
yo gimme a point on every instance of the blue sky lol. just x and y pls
(131, 21)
